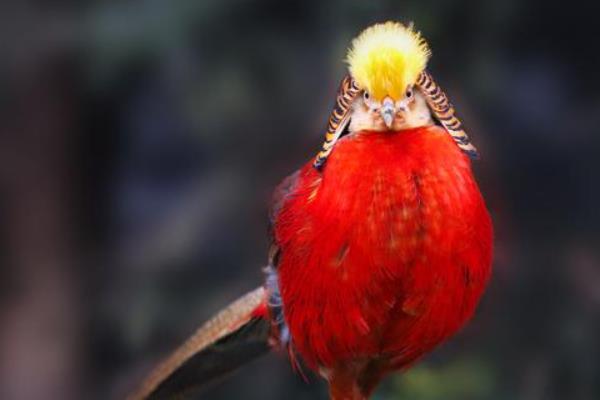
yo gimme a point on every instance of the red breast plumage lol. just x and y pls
(386, 252)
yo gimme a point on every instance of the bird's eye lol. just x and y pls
(409, 93)
(366, 95)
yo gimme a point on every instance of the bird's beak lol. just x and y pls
(387, 112)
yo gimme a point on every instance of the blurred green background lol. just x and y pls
(140, 140)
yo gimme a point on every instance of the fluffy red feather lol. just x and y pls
(386, 252)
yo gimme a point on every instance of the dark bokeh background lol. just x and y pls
(140, 140)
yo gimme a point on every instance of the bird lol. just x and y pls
(381, 245)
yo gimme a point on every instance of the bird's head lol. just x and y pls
(388, 89)
(386, 61)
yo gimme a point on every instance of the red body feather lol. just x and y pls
(386, 252)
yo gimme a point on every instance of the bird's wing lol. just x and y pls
(236, 335)
(281, 194)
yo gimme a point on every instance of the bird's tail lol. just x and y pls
(236, 335)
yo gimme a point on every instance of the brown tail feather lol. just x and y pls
(233, 337)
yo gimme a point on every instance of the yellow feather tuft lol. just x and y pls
(386, 58)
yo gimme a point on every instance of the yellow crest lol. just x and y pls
(385, 58)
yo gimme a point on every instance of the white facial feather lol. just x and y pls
(365, 115)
